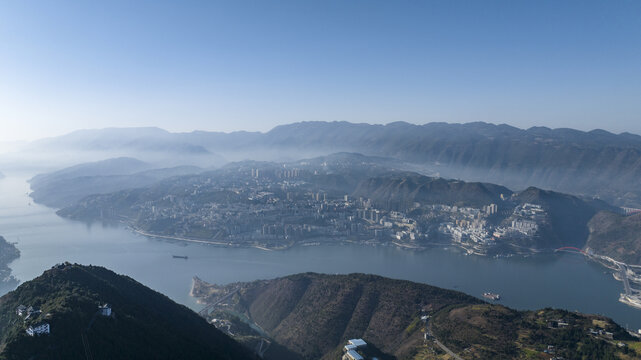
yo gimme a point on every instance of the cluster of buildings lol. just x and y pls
(473, 229)
(282, 211)
(277, 208)
(43, 327)
(31, 313)
(270, 213)
(356, 349)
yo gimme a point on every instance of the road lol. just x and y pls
(205, 311)
(447, 350)
(623, 270)
(440, 344)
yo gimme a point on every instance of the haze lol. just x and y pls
(245, 65)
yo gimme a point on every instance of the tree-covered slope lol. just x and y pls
(313, 315)
(497, 332)
(144, 325)
(568, 216)
(402, 190)
(8, 253)
(616, 236)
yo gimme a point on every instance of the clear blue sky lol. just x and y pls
(212, 65)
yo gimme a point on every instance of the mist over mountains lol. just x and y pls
(595, 163)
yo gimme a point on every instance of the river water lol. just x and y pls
(563, 281)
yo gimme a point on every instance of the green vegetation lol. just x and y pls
(313, 315)
(616, 236)
(496, 332)
(8, 253)
(400, 191)
(569, 216)
(145, 324)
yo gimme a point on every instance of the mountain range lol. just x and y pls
(594, 163)
(66, 186)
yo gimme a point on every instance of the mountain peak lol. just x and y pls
(68, 297)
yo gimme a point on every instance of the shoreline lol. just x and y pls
(602, 260)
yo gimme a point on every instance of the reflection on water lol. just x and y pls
(44, 239)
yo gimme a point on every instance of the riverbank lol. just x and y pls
(559, 280)
(8, 253)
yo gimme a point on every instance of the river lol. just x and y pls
(563, 280)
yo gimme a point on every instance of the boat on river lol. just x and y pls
(492, 296)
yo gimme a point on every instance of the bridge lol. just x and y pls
(572, 249)
(205, 311)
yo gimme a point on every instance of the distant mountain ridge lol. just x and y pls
(66, 186)
(594, 163)
(139, 139)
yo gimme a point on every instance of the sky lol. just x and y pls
(252, 65)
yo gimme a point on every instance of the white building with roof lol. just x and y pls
(104, 310)
(38, 329)
(352, 355)
(357, 342)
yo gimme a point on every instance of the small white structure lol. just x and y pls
(21, 310)
(357, 342)
(39, 329)
(349, 347)
(352, 355)
(104, 310)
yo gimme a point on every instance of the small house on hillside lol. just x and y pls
(352, 355)
(350, 350)
(21, 310)
(39, 329)
(357, 342)
(104, 310)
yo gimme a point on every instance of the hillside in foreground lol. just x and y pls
(143, 324)
(314, 316)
